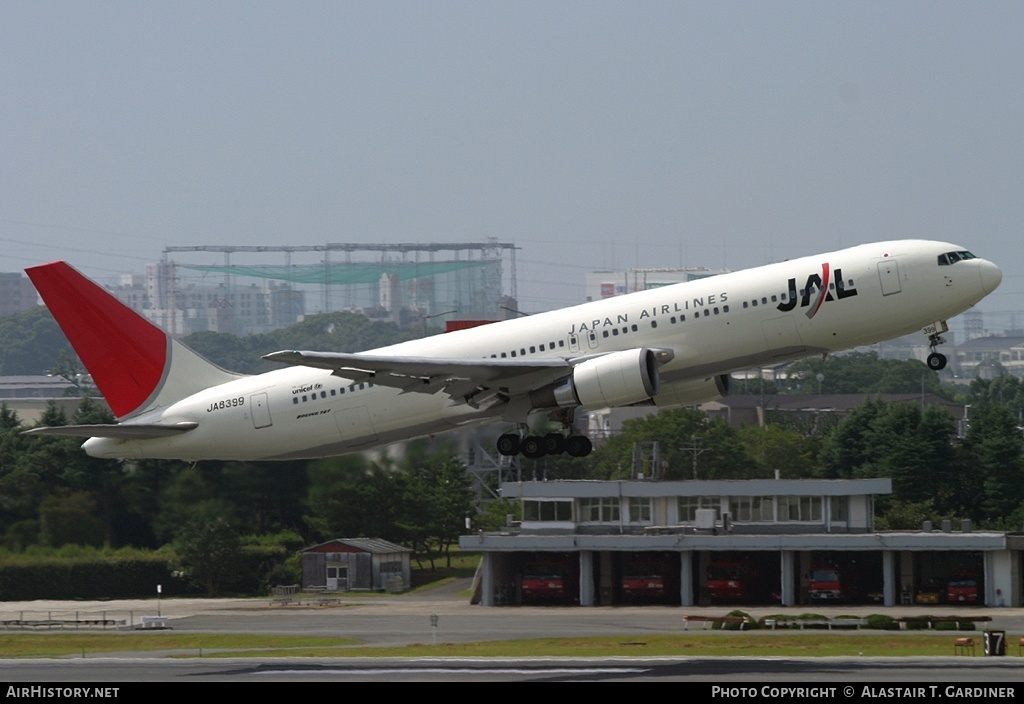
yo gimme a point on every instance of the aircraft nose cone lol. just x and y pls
(991, 276)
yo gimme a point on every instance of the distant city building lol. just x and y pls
(989, 356)
(605, 284)
(403, 283)
(29, 396)
(218, 307)
(16, 293)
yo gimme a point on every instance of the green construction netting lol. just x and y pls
(343, 273)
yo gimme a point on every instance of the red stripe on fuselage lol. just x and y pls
(823, 292)
(124, 352)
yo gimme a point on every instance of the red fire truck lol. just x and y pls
(736, 581)
(829, 584)
(543, 581)
(962, 588)
(640, 583)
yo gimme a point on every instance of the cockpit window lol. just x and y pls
(953, 257)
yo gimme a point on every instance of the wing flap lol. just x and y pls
(460, 379)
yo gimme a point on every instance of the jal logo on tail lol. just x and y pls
(818, 286)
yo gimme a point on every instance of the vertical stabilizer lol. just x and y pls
(136, 366)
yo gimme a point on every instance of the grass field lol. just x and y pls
(750, 644)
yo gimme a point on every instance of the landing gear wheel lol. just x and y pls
(554, 444)
(578, 445)
(936, 361)
(532, 447)
(508, 444)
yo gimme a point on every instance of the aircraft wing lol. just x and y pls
(120, 431)
(463, 380)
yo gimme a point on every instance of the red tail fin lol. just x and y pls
(124, 352)
(136, 365)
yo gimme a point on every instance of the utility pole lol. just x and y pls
(694, 446)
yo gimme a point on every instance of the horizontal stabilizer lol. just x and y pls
(120, 431)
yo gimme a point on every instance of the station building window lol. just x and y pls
(688, 506)
(799, 508)
(753, 508)
(599, 510)
(534, 510)
(639, 509)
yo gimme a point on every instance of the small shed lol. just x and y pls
(350, 564)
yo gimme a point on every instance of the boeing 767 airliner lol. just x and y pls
(669, 346)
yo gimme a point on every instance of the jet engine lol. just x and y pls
(616, 379)
(692, 391)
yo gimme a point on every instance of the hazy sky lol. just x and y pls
(592, 134)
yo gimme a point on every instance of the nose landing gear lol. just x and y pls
(936, 360)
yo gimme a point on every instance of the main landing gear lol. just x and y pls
(936, 360)
(534, 446)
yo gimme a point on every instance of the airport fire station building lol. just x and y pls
(688, 543)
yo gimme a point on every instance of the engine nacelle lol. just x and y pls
(692, 391)
(616, 379)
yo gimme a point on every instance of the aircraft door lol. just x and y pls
(592, 339)
(259, 408)
(574, 343)
(889, 274)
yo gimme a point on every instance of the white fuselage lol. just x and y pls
(712, 326)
